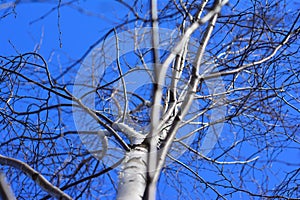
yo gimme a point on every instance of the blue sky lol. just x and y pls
(23, 30)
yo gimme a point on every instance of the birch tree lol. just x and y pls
(179, 99)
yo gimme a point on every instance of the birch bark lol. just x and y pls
(132, 178)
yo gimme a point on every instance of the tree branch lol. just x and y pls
(35, 176)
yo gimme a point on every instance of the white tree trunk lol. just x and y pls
(132, 178)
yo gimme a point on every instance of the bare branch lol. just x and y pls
(35, 176)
